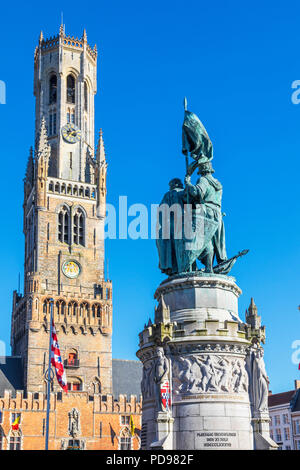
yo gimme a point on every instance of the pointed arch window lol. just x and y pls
(64, 225)
(84, 309)
(46, 306)
(72, 308)
(96, 310)
(60, 307)
(53, 89)
(78, 227)
(70, 89)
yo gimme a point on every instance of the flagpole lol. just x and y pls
(187, 173)
(48, 377)
(187, 153)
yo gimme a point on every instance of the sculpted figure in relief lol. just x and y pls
(74, 424)
(160, 373)
(224, 369)
(209, 375)
(194, 374)
(239, 377)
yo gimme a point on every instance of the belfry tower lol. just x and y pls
(64, 212)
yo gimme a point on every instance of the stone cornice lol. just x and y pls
(198, 280)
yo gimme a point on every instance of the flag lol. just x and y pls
(195, 139)
(15, 424)
(299, 366)
(56, 361)
(132, 426)
(165, 395)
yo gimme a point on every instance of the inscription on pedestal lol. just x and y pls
(216, 440)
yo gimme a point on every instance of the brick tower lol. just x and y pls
(64, 211)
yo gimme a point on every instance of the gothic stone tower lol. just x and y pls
(64, 211)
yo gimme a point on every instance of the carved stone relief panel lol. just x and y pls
(193, 374)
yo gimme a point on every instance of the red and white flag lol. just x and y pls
(56, 361)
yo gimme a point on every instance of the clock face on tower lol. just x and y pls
(71, 133)
(71, 269)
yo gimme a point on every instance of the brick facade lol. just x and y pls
(100, 421)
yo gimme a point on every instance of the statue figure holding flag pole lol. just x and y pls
(198, 213)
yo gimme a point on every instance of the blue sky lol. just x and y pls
(235, 61)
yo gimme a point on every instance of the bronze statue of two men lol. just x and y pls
(190, 218)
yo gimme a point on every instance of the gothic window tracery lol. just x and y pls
(84, 309)
(63, 225)
(72, 308)
(60, 307)
(46, 306)
(78, 227)
(96, 310)
(70, 89)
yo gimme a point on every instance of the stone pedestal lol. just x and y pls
(207, 347)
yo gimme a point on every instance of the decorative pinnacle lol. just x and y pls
(61, 30)
(41, 37)
(100, 154)
(84, 36)
(43, 139)
(29, 168)
(252, 310)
